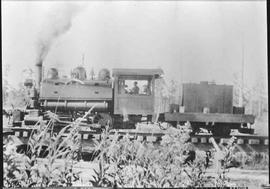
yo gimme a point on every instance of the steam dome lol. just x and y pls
(79, 73)
(104, 74)
(52, 73)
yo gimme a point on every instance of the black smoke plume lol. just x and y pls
(58, 22)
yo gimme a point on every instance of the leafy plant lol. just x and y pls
(11, 169)
(30, 171)
(122, 161)
(253, 160)
(225, 162)
(131, 163)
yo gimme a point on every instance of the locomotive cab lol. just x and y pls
(134, 92)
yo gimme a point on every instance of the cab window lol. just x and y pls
(134, 87)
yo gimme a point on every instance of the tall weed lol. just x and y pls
(131, 163)
(30, 171)
(123, 162)
(253, 160)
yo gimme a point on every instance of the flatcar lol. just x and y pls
(210, 106)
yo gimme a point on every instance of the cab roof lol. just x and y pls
(139, 72)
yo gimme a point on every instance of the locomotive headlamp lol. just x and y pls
(28, 83)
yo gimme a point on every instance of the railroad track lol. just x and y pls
(246, 143)
(89, 134)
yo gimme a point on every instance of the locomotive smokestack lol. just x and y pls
(38, 74)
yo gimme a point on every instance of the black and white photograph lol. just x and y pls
(135, 94)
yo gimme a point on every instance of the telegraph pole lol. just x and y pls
(181, 79)
(178, 53)
(241, 96)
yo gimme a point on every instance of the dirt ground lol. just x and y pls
(252, 179)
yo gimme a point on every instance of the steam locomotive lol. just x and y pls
(115, 102)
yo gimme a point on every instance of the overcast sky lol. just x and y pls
(190, 41)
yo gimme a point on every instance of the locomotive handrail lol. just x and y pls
(73, 79)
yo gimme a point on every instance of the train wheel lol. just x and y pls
(216, 131)
(226, 130)
(173, 123)
(103, 119)
(221, 130)
(195, 130)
